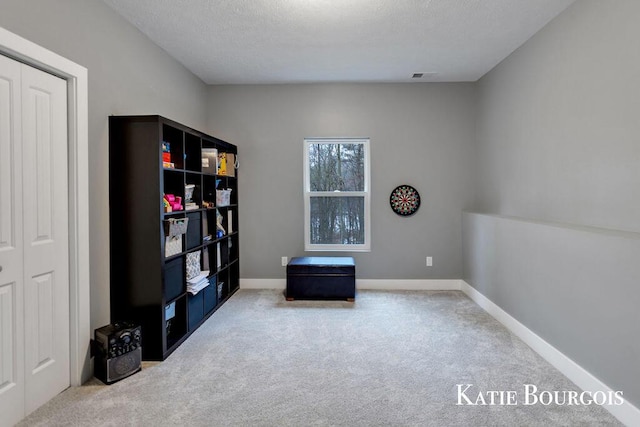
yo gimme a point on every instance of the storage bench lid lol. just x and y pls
(323, 261)
(321, 266)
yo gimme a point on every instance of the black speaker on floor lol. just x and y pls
(118, 349)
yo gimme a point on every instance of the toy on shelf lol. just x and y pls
(222, 163)
(227, 164)
(220, 231)
(172, 203)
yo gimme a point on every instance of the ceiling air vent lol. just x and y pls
(424, 75)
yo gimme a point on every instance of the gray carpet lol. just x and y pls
(389, 359)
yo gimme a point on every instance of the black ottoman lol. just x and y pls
(321, 278)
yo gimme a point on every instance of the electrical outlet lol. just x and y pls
(285, 261)
(429, 261)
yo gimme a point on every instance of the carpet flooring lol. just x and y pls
(389, 359)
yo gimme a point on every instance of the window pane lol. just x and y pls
(337, 220)
(336, 167)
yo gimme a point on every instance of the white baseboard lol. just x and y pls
(373, 284)
(627, 413)
(263, 283)
(408, 285)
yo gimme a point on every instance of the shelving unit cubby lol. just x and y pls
(148, 282)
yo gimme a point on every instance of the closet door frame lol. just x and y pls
(18, 48)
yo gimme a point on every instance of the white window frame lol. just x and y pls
(366, 194)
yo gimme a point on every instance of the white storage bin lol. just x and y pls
(223, 197)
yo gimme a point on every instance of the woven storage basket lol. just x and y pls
(193, 264)
(172, 246)
(175, 226)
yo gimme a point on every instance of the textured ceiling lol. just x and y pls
(294, 41)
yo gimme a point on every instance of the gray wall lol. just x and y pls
(558, 129)
(421, 134)
(558, 140)
(127, 75)
(576, 287)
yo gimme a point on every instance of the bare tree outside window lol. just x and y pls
(337, 194)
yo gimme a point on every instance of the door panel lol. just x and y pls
(12, 389)
(43, 168)
(8, 334)
(7, 147)
(41, 347)
(45, 230)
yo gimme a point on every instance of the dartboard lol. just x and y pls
(404, 200)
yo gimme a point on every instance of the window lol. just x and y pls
(336, 195)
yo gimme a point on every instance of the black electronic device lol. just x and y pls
(118, 351)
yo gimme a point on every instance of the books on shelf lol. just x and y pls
(197, 278)
(198, 283)
(205, 228)
(218, 256)
(205, 260)
(166, 156)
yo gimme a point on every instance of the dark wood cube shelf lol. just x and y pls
(150, 157)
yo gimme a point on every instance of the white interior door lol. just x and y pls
(12, 390)
(36, 333)
(46, 235)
